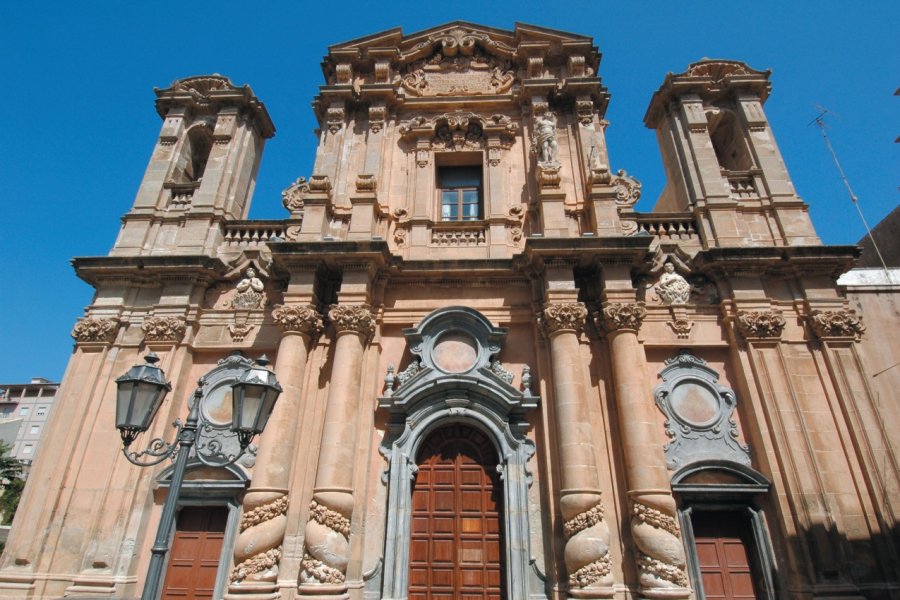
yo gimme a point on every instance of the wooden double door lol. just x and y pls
(196, 553)
(725, 556)
(457, 534)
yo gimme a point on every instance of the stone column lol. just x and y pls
(327, 534)
(654, 526)
(258, 548)
(587, 534)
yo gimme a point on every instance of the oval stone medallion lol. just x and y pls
(455, 352)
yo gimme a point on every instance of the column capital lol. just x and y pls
(92, 329)
(294, 318)
(760, 324)
(355, 319)
(844, 324)
(563, 316)
(617, 316)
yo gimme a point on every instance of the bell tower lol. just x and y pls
(202, 171)
(722, 160)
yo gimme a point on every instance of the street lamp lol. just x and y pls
(140, 393)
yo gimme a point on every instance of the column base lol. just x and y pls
(600, 592)
(323, 591)
(665, 593)
(252, 591)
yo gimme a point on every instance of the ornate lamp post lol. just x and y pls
(140, 394)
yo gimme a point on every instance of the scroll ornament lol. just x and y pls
(163, 329)
(617, 315)
(836, 323)
(760, 324)
(569, 316)
(352, 319)
(300, 319)
(94, 330)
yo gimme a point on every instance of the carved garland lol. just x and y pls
(264, 513)
(95, 330)
(320, 571)
(569, 316)
(329, 518)
(655, 518)
(298, 319)
(258, 563)
(760, 324)
(583, 520)
(163, 329)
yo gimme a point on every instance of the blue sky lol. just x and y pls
(79, 121)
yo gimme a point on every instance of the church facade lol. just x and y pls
(499, 379)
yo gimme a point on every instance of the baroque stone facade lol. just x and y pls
(499, 377)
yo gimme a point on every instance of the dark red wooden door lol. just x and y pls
(724, 554)
(457, 537)
(196, 551)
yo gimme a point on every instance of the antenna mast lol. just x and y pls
(820, 123)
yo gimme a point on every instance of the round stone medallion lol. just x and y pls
(694, 404)
(216, 405)
(455, 352)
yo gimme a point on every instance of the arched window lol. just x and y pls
(728, 141)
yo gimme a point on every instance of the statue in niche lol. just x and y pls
(672, 288)
(544, 144)
(250, 292)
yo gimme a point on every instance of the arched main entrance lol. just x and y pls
(456, 541)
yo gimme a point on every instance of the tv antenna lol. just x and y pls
(819, 122)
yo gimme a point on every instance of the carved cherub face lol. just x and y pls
(251, 273)
(669, 267)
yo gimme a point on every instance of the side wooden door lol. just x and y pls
(725, 555)
(457, 538)
(196, 552)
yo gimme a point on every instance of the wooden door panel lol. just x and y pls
(195, 554)
(724, 545)
(456, 547)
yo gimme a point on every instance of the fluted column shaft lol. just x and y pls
(258, 548)
(327, 534)
(587, 534)
(654, 526)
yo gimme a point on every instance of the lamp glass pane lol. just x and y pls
(123, 404)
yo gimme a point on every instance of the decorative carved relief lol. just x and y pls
(95, 330)
(460, 67)
(343, 73)
(672, 288)
(681, 328)
(661, 562)
(760, 324)
(200, 87)
(320, 184)
(300, 319)
(382, 71)
(717, 70)
(587, 542)
(628, 189)
(377, 117)
(584, 109)
(548, 176)
(457, 132)
(356, 319)
(366, 182)
(250, 292)
(334, 117)
(163, 329)
(699, 414)
(836, 323)
(616, 316)
(535, 67)
(258, 549)
(576, 65)
(569, 316)
(292, 196)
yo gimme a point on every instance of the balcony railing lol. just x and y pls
(251, 233)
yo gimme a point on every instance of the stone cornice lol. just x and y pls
(796, 261)
(288, 256)
(585, 252)
(148, 270)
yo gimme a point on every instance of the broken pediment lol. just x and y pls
(457, 58)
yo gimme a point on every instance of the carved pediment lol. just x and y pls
(458, 66)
